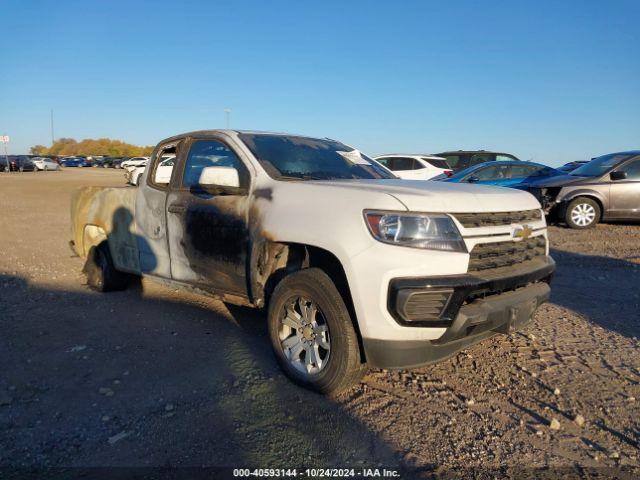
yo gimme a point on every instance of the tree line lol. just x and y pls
(92, 147)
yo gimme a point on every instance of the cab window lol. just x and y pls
(211, 153)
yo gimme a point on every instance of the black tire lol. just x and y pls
(582, 213)
(102, 275)
(344, 367)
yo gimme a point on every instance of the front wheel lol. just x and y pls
(582, 212)
(312, 334)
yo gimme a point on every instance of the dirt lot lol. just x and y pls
(157, 377)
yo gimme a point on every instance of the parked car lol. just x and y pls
(461, 159)
(74, 162)
(118, 164)
(134, 162)
(514, 173)
(415, 167)
(44, 164)
(16, 163)
(112, 162)
(571, 166)
(163, 171)
(350, 269)
(606, 188)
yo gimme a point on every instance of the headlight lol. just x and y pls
(430, 231)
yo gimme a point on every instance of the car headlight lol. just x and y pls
(431, 231)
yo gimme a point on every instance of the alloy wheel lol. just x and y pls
(583, 214)
(304, 336)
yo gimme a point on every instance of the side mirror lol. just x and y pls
(473, 179)
(219, 177)
(618, 175)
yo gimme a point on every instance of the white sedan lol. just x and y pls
(42, 163)
(134, 162)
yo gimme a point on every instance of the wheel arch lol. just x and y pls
(598, 198)
(279, 259)
(584, 194)
(92, 236)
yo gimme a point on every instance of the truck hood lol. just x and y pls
(442, 197)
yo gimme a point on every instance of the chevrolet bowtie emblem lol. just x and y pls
(522, 232)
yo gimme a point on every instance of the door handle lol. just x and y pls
(177, 208)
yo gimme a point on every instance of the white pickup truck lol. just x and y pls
(354, 267)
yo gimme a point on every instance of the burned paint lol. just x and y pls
(208, 241)
(212, 233)
(263, 193)
(98, 213)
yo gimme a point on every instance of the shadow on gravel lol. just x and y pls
(604, 289)
(118, 380)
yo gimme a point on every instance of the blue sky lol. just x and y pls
(549, 81)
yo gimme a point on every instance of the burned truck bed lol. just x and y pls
(106, 214)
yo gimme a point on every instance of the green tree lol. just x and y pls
(92, 147)
(38, 150)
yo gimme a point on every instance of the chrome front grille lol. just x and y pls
(491, 219)
(485, 256)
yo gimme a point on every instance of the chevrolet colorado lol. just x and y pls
(353, 266)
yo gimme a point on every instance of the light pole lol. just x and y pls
(5, 141)
(52, 137)
(227, 112)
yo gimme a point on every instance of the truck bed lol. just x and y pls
(106, 214)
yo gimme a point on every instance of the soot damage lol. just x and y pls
(215, 243)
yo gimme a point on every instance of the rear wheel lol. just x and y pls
(312, 334)
(582, 212)
(101, 272)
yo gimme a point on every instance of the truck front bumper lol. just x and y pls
(479, 307)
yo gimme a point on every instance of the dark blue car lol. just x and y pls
(516, 174)
(74, 162)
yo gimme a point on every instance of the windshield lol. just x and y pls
(599, 166)
(288, 157)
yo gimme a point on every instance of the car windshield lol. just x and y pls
(599, 166)
(288, 157)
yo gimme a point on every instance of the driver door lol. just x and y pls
(624, 194)
(208, 225)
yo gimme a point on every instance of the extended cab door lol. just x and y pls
(150, 215)
(208, 224)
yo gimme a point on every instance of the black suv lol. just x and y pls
(461, 159)
(16, 163)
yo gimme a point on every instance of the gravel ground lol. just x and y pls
(157, 377)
